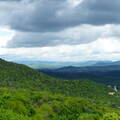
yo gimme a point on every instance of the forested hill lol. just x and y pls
(21, 76)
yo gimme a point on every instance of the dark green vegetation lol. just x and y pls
(27, 94)
(109, 75)
(21, 76)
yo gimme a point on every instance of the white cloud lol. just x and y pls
(74, 3)
(5, 35)
(72, 36)
(101, 49)
(105, 46)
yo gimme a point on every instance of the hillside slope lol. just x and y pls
(21, 76)
(26, 94)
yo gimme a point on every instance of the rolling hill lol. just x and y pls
(27, 94)
(21, 76)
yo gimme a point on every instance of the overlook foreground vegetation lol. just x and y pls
(26, 94)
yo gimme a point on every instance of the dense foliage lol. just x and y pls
(21, 76)
(26, 94)
(24, 104)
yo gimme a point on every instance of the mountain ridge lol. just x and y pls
(57, 64)
(109, 75)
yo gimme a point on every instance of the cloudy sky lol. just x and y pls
(60, 30)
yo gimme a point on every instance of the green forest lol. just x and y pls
(26, 94)
(26, 104)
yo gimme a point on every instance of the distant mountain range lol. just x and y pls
(107, 74)
(89, 69)
(55, 64)
(106, 63)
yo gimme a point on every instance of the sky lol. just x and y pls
(60, 30)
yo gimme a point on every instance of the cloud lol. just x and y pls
(10, 0)
(63, 29)
(43, 23)
(101, 49)
(5, 35)
(57, 15)
(78, 35)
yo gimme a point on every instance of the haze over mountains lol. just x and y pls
(57, 64)
(102, 72)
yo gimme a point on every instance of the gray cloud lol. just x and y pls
(56, 15)
(10, 0)
(78, 35)
(49, 22)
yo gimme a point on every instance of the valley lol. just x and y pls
(108, 74)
